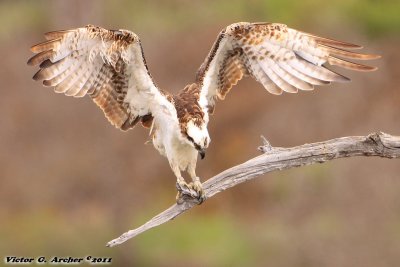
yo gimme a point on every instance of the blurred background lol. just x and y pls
(70, 182)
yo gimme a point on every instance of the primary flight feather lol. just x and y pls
(109, 66)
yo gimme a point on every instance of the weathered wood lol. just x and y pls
(376, 144)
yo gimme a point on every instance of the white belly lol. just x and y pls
(183, 154)
(178, 152)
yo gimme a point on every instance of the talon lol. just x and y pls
(182, 186)
(197, 186)
(192, 190)
(184, 191)
(179, 198)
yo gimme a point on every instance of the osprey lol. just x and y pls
(109, 66)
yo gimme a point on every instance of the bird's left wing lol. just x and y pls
(107, 65)
(280, 58)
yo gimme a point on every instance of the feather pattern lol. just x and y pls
(108, 65)
(280, 58)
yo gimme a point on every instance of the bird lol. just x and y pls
(109, 66)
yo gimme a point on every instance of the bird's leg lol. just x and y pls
(183, 188)
(196, 184)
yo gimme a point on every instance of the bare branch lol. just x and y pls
(377, 144)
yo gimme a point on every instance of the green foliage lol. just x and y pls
(18, 17)
(47, 232)
(217, 239)
(377, 18)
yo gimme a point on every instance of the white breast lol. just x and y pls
(170, 143)
(182, 154)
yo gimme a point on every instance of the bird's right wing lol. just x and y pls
(107, 65)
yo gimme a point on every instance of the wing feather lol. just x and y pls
(349, 65)
(317, 72)
(40, 58)
(283, 84)
(49, 45)
(289, 78)
(280, 58)
(302, 76)
(347, 54)
(107, 65)
(331, 42)
(258, 73)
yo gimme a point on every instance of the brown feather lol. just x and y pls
(38, 75)
(129, 124)
(332, 42)
(99, 68)
(187, 106)
(56, 34)
(57, 73)
(46, 63)
(113, 111)
(47, 45)
(349, 65)
(231, 72)
(348, 54)
(40, 57)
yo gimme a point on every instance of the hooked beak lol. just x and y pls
(202, 153)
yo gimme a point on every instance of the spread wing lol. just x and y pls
(107, 65)
(280, 58)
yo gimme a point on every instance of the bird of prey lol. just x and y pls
(109, 66)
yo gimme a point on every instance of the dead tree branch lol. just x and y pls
(376, 144)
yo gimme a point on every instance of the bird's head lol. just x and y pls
(197, 136)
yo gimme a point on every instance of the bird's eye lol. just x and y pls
(197, 146)
(190, 139)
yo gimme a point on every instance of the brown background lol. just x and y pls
(70, 182)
